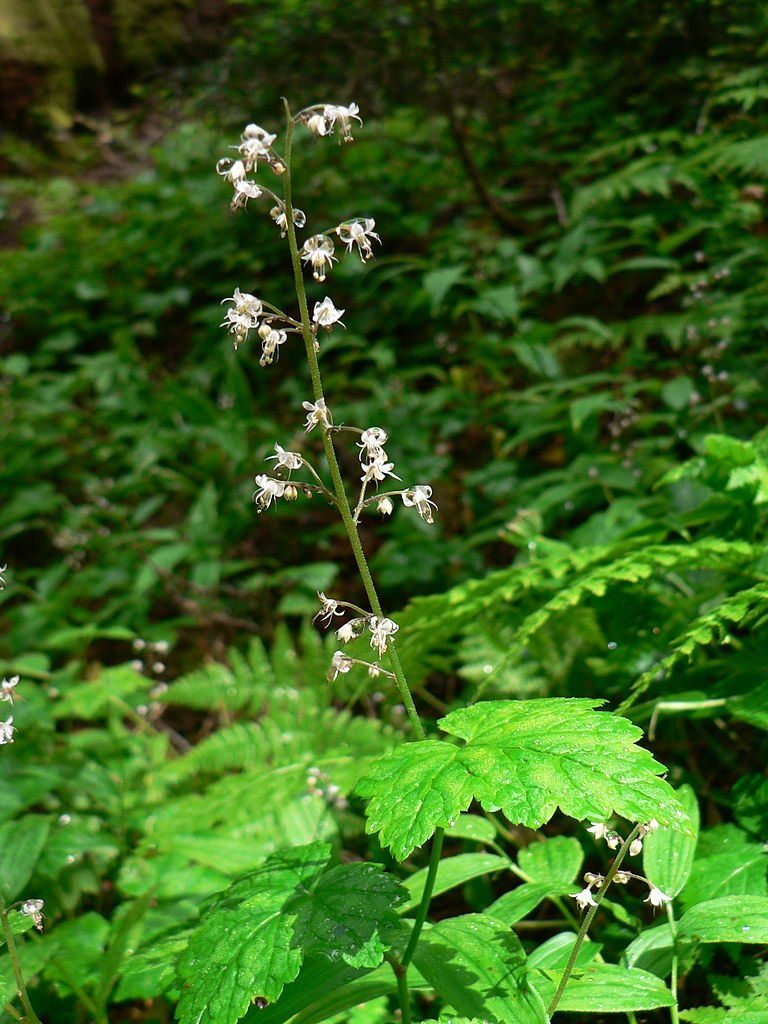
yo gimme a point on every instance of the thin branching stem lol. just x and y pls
(29, 1012)
(338, 485)
(589, 916)
(673, 1010)
(429, 885)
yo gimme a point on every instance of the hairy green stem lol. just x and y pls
(338, 485)
(589, 916)
(13, 953)
(674, 1009)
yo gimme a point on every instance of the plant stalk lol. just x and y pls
(426, 896)
(674, 1012)
(317, 390)
(13, 953)
(588, 917)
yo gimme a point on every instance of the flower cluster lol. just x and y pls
(7, 694)
(600, 830)
(373, 458)
(323, 119)
(255, 146)
(613, 840)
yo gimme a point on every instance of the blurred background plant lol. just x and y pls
(564, 332)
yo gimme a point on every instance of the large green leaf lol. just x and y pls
(525, 758)
(728, 863)
(556, 860)
(668, 853)
(346, 914)
(21, 843)
(478, 966)
(252, 941)
(605, 988)
(727, 919)
(515, 905)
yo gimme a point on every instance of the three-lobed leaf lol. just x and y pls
(525, 758)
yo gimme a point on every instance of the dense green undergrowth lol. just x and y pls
(564, 332)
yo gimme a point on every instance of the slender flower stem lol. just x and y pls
(13, 953)
(330, 453)
(429, 885)
(673, 1010)
(588, 917)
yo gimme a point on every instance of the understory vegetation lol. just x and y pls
(209, 809)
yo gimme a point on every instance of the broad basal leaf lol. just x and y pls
(605, 988)
(668, 853)
(741, 919)
(243, 949)
(525, 758)
(347, 912)
(478, 967)
(253, 940)
(556, 860)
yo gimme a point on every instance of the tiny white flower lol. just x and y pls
(34, 909)
(318, 252)
(385, 506)
(243, 316)
(371, 442)
(317, 124)
(277, 213)
(317, 413)
(359, 232)
(269, 345)
(231, 170)
(657, 898)
(598, 829)
(2, 578)
(622, 877)
(291, 460)
(268, 491)
(635, 847)
(342, 116)
(381, 631)
(328, 608)
(6, 731)
(340, 663)
(584, 898)
(613, 840)
(244, 190)
(374, 670)
(7, 688)
(326, 315)
(256, 144)
(653, 825)
(420, 498)
(378, 468)
(350, 630)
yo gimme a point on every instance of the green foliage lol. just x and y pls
(252, 940)
(525, 758)
(564, 333)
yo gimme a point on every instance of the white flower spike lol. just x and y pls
(598, 829)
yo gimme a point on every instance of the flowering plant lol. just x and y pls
(523, 758)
